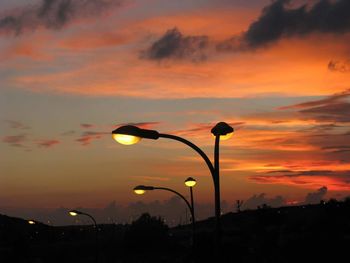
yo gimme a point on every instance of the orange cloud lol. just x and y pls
(113, 74)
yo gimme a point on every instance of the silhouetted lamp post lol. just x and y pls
(130, 134)
(76, 213)
(141, 189)
(190, 182)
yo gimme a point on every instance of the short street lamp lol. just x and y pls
(130, 134)
(76, 213)
(141, 189)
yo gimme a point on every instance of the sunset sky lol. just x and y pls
(72, 71)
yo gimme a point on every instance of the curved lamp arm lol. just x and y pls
(194, 147)
(177, 193)
(91, 217)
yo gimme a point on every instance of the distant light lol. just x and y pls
(31, 222)
(73, 213)
(126, 139)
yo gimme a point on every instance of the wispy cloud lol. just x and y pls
(197, 128)
(68, 133)
(15, 140)
(47, 143)
(17, 125)
(334, 108)
(87, 137)
(143, 125)
(334, 180)
(337, 148)
(87, 125)
(333, 99)
(147, 179)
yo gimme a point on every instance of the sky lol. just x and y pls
(72, 71)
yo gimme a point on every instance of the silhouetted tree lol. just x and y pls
(147, 233)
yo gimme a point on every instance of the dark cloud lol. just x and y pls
(316, 197)
(53, 14)
(280, 20)
(174, 45)
(339, 66)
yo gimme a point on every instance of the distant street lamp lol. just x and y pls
(141, 189)
(190, 182)
(31, 222)
(130, 134)
(76, 213)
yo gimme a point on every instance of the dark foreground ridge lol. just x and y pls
(310, 233)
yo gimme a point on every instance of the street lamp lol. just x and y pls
(76, 213)
(130, 134)
(31, 222)
(190, 182)
(141, 189)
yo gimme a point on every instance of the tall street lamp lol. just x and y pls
(76, 213)
(141, 189)
(130, 134)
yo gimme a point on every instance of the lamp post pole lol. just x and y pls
(131, 134)
(75, 213)
(141, 189)
(214, 170)
(190, 182)
(216, 179)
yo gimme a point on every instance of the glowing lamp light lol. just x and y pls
(226, 137)
(31, 222)
(73, 213)
(190, 182)
(139, 191)
(126, 139)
